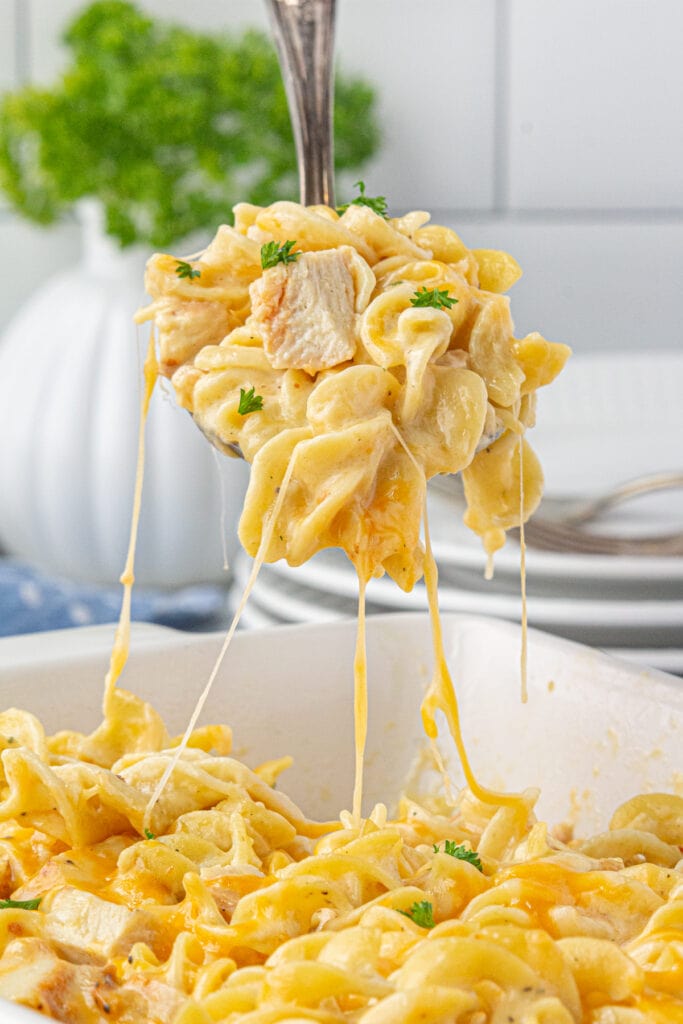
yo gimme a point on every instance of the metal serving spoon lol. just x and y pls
(304, 37)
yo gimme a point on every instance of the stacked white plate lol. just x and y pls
(608, 419)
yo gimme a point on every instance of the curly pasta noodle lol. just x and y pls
(341, 359)
(165, 882)
(236, 908)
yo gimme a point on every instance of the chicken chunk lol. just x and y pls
(32, 974)
(305, 311)
(186, 327)
(79, 919)
(162, 1001)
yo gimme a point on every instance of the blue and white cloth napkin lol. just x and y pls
(31, 602)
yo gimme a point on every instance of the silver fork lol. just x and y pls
(559, 526)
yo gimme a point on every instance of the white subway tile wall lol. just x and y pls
(434, 65)
(593, 285)
(547, 128)
(595, 95)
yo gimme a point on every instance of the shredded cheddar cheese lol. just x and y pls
(233, 906)
(178, 886)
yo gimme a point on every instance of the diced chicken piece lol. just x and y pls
(186, 327)
(79, 919)
(162, 1001)
(33, 975)
(305, 311)
(52, 874)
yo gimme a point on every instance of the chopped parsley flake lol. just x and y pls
(378, 204)
(272, 254)
(20, 904)
(461, 852)
(249, 402)
(437, 298)
(422, 913)
(186, 270)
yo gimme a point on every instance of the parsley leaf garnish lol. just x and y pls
(461, 852)
(378, 203)
(272, 254)
(249, 402)
(435, 297)
(184, 269)
(149, 835)
(20, 904)
(422, 913)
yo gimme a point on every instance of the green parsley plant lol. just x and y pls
(168, 127)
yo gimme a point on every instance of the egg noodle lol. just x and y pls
(155, 879)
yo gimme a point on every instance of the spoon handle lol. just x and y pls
(304, 36)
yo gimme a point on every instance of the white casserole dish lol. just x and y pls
(594, 732)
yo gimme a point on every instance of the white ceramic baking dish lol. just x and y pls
(594, 732)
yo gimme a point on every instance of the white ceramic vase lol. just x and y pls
(70, 385)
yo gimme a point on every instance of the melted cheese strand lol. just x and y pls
(266, 538)
(522, 577)
(441, 693)
(121, 647)
(443, 771)
(360, 702)
(224, 506)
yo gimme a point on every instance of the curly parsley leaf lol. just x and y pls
(249, 402)
(437, 298)
(378, 204)
(272, 254)
(460, 852)
(186, 270)
(422, 913)
(20, 904)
